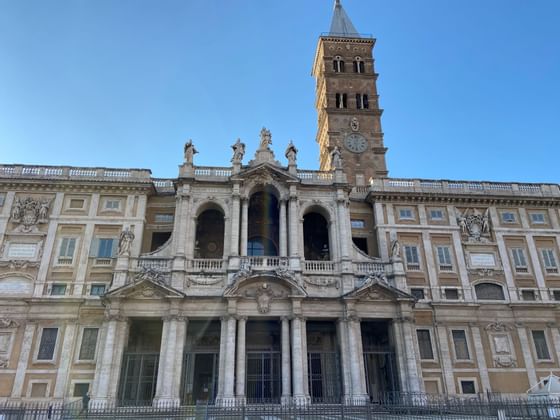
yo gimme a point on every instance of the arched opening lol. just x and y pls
(489, 291)
(209, 234)
(316, 237)
(263, 226)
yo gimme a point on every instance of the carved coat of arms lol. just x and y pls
(28, 213)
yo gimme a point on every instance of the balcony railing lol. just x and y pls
(206, 264)
(75, 173)
(320, 266)
(161, 264)
(315, 177)
(212, 172)
(368, 267)
(264, 262)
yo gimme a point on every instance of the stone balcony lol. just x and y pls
(74, 173)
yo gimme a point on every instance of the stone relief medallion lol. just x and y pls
(264, 293)
(322, 282)
(150, 274)
(27, 213)
(203, 281)
(264, 296)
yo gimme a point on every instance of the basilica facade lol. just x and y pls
(262, 282)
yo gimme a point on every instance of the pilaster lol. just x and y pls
(17, 389)
(240, 364)
(286, 365)
(63, 371)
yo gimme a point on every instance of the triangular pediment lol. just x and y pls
(145, 289)
(266, 173)
(377, 288)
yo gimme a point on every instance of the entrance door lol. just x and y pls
(138, 378)
(324, 377)
(200, 377)
(380, 370)
(263, 377)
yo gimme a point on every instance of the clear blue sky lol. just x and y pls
(471, 89)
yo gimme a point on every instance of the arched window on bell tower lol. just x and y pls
(359, 66)
(338, 64)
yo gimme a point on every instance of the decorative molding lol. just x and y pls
(322, 281)
(27, 213)
(474, 225)
(8, 323)
(497, 327)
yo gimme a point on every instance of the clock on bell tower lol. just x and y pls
(347, 102)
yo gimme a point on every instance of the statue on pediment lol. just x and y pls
(291, 153)
(190, 151)
(238, 151)
(266, 139)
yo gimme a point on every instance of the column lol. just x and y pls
(244, 225)
(357, 373)
(480, 359)
(108, 368)
(537, 267)
(343, 226)
(293, 227)
(234, 245)
(462, 267)
(63, 371)
(228, 396)
(170, 361)
(283, 232)
(240, 372)
(297, 362)
(430, 266)
(19, 379)
(508, 272)
(286, 374)
(527, 354)
(222, 358)
(445, 360)
(342, 332)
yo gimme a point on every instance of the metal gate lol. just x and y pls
(138, 378)
(324, 377)
(199, 379)
(264, 379)
(381, 373)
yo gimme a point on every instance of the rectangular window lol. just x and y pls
(508, 217)
(80, 389)
(528, 295)
(22, 250)
(47, 344)
(76, 203)
(66, 251)
(519, 261)
(425, 344)
(406, 214)
(2, 198)
(451, 294)
(358, 224)
(362, 101)
(341, 100)
(541, 348)
(105, 248)
(412, 258)
(444, 258)
(58, 289)
(359, 66)
(39, 389)
(460, 345)
(436, 214)
(538, 218)
(549, 260)
(112, 204)
(89, 343)
(97, 289)
(164, 218)
(556, 295)
(417, 293)
(468, 387)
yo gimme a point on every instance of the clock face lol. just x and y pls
(355, 142)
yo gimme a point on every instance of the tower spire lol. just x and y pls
(341, 25)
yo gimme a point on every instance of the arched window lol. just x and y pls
(489, 291)
(315, 237)
(209, 234)
(359, 66)
(264, 224)
(338, 64)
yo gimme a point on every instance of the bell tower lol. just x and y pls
(347, 103)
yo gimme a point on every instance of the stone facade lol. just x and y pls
(264, 282)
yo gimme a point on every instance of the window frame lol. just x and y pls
(467, 344)
(412, 266)
(422, 289)
(75, 382)
(460, 381)
(436, 219)
(504, 220)
(432, 348)
(501, 286)
(514, 252)
(451, 288)
(404, 209)
(547, 344)
(39, 381)
(107, 208)
(58, 286)
(544, 221)
(97, 285)
(549, 269)
(80, 343)
(446, 266)
(65, 259)
(38, 346)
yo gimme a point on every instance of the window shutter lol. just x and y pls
(114, 246)
(94, 249)
(71, 247)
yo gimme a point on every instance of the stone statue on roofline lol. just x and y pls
(190, 151)
(266, 139)
(291, 153)
(238, 151)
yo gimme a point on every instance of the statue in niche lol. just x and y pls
(266, 139)
(291, 153)
(125, 241)
(190, 151)
(238, 151)
(336, 158)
